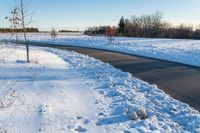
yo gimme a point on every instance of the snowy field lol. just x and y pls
(66, 92)
(182, 51)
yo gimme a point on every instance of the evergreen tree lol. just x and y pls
(122, 26)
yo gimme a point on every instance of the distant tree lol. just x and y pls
(6, 30)
(121, 26)
(157, 25)
(53, 34)
(69, 31)
(196, 34)
(184, 31)
(14, 21)
(110, 33)
(101, 30)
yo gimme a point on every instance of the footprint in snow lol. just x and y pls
(80, 129)
(84, 121)
(79, 117)
(45, 108)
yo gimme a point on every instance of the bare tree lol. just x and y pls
(53, 34)
(22, 9)
(24, 19)
(14, 20)
(110, 32)
(150, 25)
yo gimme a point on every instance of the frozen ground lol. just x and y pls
(182, 51)
(62, 91)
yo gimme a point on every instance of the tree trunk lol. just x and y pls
(24, 30)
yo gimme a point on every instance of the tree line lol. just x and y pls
(61, 31)
(148, 26)
(10, 30)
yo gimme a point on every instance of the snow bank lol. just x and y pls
(76, 93)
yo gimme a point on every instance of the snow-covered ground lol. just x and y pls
(62, 91)
(182, 51)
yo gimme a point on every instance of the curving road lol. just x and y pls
(182, 82)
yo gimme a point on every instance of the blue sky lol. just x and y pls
(79, 14)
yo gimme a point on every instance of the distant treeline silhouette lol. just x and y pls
(8, 30)
(68, 31)
(149, 26)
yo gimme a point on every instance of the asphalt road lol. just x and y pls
(182, 82)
